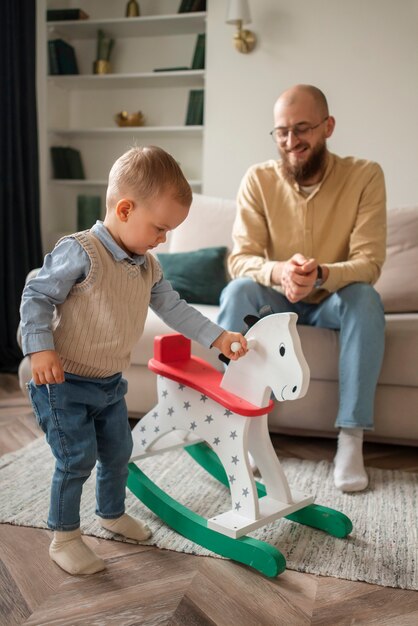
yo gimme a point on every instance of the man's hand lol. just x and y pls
(297, 276)
(46, 367)
(225, 341)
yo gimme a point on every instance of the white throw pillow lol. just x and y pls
(208, 224)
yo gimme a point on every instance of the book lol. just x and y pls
(54, 67)
(191, 105)
(88, 211)
(194, 115)
(185, 6)
(75, 164)
(59, 164)
(104, 46)
(179, 68)
(57, 15)
(198, 116)
(62, 59)
(190, 6)
(198, 5)
(66, 57)
(66, 163)
(198, 62)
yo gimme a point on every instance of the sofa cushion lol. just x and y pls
(398, 283)
(209, 223)
(199, 276)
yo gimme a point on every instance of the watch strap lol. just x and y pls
(319, 278)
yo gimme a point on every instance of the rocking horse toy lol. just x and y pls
(220, 420)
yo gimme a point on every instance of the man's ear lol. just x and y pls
(330, 125)
(123, 209)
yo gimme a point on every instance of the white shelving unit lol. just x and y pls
(80, 109)
(189, 78)
(148, 26)
(140, 130)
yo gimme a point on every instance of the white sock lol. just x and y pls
(349, 472)
(127, 526)
(69, 551)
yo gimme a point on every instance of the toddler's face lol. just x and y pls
(148, 223)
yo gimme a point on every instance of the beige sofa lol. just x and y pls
(396, 409)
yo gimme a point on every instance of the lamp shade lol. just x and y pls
(238, 11)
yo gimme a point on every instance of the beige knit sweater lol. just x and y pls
(104, 315)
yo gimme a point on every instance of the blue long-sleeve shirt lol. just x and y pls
(68, 264)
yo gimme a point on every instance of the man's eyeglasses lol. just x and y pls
(281, 133)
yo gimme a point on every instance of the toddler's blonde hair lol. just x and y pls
(145, 172)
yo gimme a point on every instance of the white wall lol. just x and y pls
(362, 53)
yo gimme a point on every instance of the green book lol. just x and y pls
(88, 211)
(53, 15)
(179, 68)
(65, 54)
(54, 67)
(198, 110)
(74, 163)
(194, 116)
(189, 6)
(59, 163)
(191, 106)
(198, 62)
(185, 6)
(198, 5)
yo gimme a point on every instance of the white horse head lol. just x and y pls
(274, 362)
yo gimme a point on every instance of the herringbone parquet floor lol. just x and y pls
(146, 586)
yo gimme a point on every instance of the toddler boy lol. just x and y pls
(81, 316)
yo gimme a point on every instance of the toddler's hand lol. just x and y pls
(224, 344)
(46, 367)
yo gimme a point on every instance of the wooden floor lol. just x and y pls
(143, 585)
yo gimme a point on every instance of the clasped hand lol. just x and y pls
(297, 276)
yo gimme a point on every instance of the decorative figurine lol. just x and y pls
(104, 49)
(132, 9)
(123, 118)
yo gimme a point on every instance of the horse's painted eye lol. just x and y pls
(282, 349)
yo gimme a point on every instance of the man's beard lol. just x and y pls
(300, 173)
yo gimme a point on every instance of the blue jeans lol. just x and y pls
(85, 420)
(356, 311)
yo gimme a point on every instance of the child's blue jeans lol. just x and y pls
(85, 420)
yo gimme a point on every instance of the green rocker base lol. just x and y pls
(256, 554)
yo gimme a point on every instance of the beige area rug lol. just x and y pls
(382, 549)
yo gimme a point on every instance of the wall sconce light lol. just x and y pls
(239, 14)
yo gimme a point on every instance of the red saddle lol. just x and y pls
(173, 360)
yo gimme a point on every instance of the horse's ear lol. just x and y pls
(250, 320)
(224, 358)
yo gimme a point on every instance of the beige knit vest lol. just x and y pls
(104, 315)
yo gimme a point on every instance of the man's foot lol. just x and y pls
(127, 526)
(349, 472)
(69, 551)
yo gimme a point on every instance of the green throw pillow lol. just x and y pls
(198, 276)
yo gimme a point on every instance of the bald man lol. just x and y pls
(310, 237)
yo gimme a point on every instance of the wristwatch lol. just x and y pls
(319, 278)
